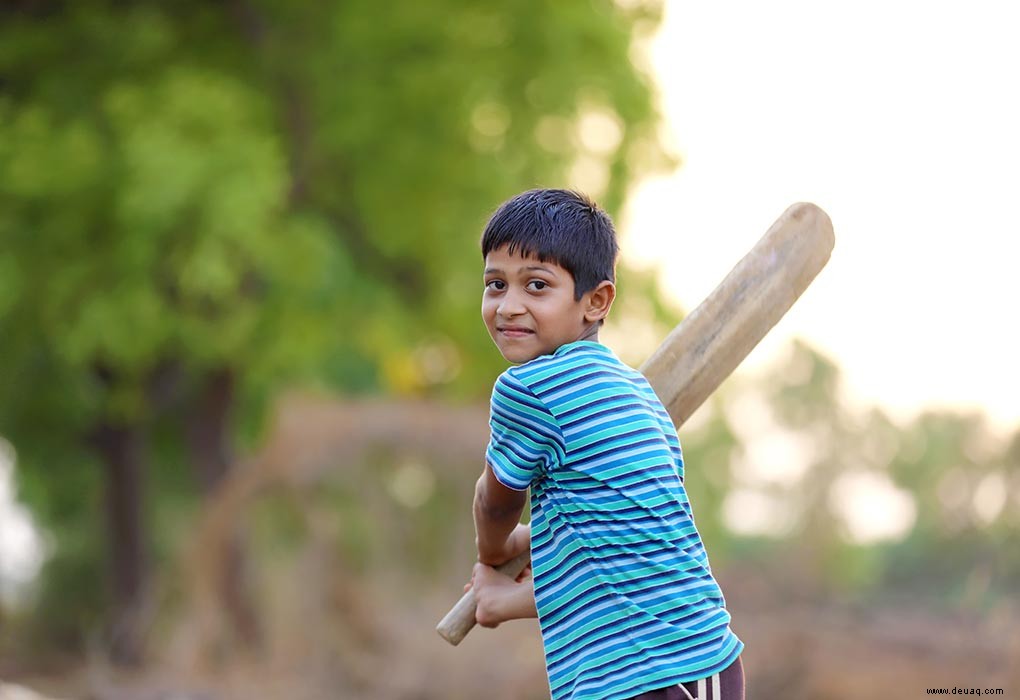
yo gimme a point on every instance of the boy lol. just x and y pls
(622, 586)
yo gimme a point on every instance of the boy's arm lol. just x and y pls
(497, 512)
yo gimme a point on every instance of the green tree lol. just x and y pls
(200, 203)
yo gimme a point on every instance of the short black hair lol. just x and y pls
(560, 226)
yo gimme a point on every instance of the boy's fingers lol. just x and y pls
(471, 582)
(525, 574)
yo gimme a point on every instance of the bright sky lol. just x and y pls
(902, 120)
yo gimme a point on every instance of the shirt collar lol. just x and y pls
(582, 344)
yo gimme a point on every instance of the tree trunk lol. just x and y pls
(124, 452)
(209, 444)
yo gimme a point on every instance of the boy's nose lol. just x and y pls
(510, 305)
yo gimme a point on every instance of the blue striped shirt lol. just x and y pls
(626, 598)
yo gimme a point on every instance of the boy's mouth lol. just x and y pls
(514, 331)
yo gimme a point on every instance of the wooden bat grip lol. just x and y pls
(461, 618)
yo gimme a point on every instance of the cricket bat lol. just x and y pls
(712, 340)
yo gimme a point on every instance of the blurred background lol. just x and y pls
(244, 381)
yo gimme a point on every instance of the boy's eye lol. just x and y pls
(538, 285)
(495, 284)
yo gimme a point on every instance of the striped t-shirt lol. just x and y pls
(626, 599)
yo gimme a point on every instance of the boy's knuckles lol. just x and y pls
(485, 615)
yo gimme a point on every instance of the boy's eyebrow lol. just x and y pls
(492, 270)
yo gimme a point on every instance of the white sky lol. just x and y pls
(902, 120)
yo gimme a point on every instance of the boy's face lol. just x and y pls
(529, 308)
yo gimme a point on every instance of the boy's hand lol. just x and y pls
(501, 598)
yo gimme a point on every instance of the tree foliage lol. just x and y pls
(199, 198)
(280, 187)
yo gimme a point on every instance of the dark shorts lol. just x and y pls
(728, 684)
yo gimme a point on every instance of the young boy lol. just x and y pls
(622, 587)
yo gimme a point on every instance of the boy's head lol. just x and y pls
(557, 226)
(550, 258)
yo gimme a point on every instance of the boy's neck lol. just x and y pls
(591, 334)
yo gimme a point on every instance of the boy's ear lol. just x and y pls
(598, 301)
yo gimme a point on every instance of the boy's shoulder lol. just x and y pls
(569, 364)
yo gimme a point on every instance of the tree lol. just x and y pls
(201, 203)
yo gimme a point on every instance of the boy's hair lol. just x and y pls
(559, 226)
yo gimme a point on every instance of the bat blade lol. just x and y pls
(712, 340)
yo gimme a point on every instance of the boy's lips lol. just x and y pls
(514, 331)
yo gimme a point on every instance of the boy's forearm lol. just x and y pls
(520, 603)
(494, 522)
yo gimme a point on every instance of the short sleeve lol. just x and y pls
(525, 439)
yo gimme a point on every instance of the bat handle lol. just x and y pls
(461, 618)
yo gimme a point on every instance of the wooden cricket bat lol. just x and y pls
(712, 340)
